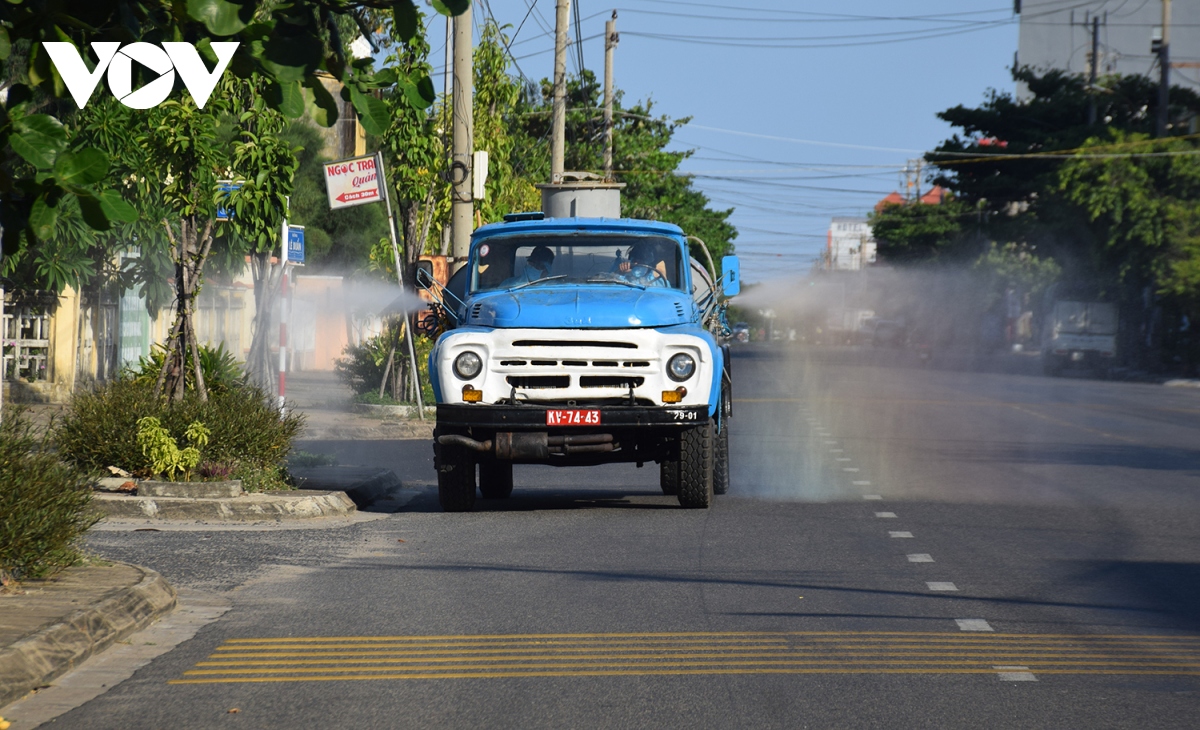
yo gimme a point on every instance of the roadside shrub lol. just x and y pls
(219, 367)
(100, 427)
(44, 504)
(361, 367)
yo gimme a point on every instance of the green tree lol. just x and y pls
(1145, 213)
(288, 44)
(918, 232)
(413, 156)
(977, 163)
(265, 163)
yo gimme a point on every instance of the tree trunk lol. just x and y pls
(189, 250)
(268, 279)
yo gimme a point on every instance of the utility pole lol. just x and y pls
(1164, 69)
(447, 85)
(559, 124)
(610, 43)
(462, 203)
(1092, 71)
(447, 96)
(912, 180)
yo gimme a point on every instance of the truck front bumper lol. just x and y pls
(520, 433)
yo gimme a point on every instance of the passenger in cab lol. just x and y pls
(537, 266)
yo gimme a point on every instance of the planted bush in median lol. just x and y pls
(44, 504)
(248, 440)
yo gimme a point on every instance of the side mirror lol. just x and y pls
(731, 276)
(424, 274)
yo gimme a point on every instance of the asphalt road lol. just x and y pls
(901, 547)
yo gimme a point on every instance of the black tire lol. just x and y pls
(696, 467)
(456, 479)
(721, 460)
(668, 477)
(496, 479)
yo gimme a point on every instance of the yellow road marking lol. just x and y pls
(362, 671)
(668, 634)
(669, 653)
(669, 672)
(716, 657)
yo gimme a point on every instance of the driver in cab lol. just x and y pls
(644, 267)
(537, 266)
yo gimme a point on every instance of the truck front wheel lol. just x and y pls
(496, 479)
(721, 460)
(456, 479)
(696, 467)
(668, 477)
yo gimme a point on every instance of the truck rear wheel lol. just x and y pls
(456, 479)
(668, 477)
(496, 479)
(721, 460)
(696, 467)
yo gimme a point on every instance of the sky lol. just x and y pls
(799, 111)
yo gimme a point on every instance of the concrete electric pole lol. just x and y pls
(610, 43)
(462, 218)
(558, 127)
(1164, 69)
(1095, 63)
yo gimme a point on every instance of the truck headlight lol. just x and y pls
(467, 365)
(681, 367)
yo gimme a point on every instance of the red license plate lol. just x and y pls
(573, 417)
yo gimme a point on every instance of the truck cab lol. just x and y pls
(582, 341)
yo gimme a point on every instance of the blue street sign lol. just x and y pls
(295, 245)
(226, 186)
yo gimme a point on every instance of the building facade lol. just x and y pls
(1058, 35)
(850, 245)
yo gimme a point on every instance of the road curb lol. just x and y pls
(54, 650)
(365, 486)
(256, 507)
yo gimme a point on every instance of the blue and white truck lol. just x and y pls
(581, 341)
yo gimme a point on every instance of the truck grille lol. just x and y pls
(575, 343)
(610, 381)
(539, 381)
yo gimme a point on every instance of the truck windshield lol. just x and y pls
(529, 261)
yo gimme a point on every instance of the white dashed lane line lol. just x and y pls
(850, 468)
(861, 483)
(899, 533)
(873, 497)
(941, 585)
(973, 624)
(920, 558)
(1015, 674)
(886, 515)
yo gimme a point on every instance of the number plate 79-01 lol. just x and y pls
(573, 417)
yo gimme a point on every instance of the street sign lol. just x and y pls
(226, 186)
(295, 245)
(352, 182)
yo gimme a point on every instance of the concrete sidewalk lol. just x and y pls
(53, 625)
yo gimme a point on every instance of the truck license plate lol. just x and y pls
(573, 417)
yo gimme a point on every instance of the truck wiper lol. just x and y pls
(629, 284)
(537, 281)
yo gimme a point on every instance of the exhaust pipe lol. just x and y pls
(532, 445)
